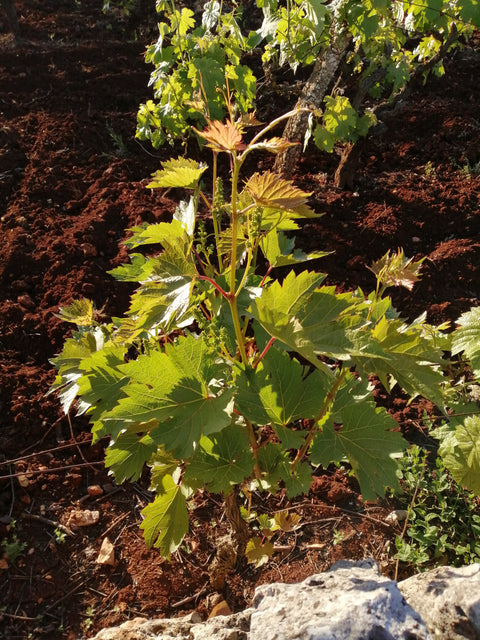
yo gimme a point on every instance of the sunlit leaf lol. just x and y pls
(363, 435)
(177, 388)
(287, 521)
(278, 250)
(127, 455)
(460, 452)
(223, 136)
(466, 338)
(179, 172)
(80, 312)
(258, 551)
(279, 392)
(271, 190)
(166, 518)
(395, 270)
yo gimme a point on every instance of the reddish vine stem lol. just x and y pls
(217, 286)
(264, 352)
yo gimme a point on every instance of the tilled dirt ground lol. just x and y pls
(72, 179)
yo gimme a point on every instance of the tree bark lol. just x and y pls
(239, 527)
(313, 93)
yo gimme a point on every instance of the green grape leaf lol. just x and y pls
(466, 338)
(127, 455)
(68, 364)
(182, 21)
(179, 172)
(278, 250)
(166, 518)
(362, 434)
(258, 551)
(460, 451)
(325, 140)
(308, 321)
(397, 352)
(195, 414)
(139, 269)
(100, 386)
(278, 392)
(276, 466)
(164, 299)
(161, 464)
(181, 389)
(298, 482)
(165, 233)
(80, 312)
(222, 460)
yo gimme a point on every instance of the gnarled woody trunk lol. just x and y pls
(313, 93)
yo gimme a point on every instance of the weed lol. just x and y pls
(444, 520)
(12, 548)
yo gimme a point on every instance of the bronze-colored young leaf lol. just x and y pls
(396, 270)
(270, 190)
(287, 521)
(223, 136)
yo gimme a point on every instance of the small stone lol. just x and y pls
(26, 302)
(220, 609)
(82, 518)
(23, 480)
(95, 490)
(106, 555)
(399, 515)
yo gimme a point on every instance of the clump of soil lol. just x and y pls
(72, 180)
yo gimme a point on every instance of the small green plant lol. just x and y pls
(430, 170)
(89, 614)
(60, 536)
(338, 537)
(12, 547)
(443, 521)
(470, 169)
(227, 377)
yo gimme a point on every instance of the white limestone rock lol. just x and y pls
(351, 601)
(191, 627)
(448, 600)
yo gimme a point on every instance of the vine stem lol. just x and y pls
(216, 221)
(232, 297)
(264, 352)
(313, 429)
(232, 300)
(254, 446)
(217, 286)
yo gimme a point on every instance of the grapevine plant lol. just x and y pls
(227, 375)
(383, 45)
